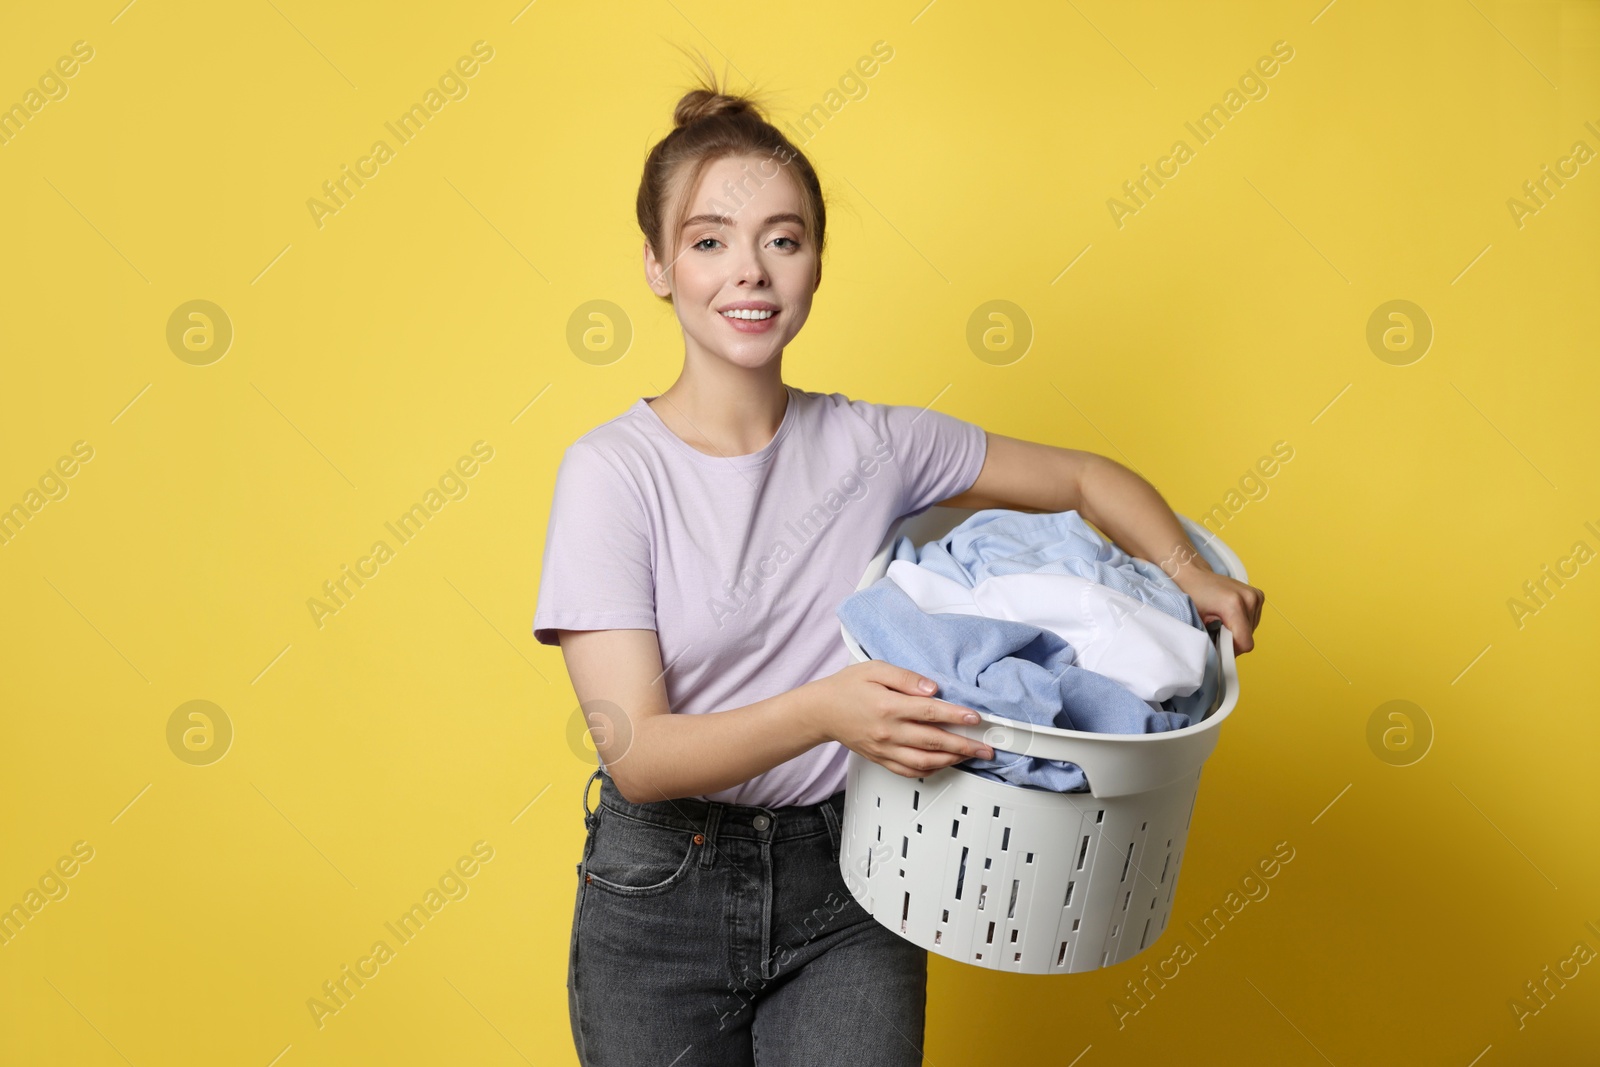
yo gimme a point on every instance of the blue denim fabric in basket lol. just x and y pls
(1005, 668)
(1001, 541)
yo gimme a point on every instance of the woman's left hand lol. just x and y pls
(1216, 596)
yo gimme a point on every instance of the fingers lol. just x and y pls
(1237, 620)
(919, 764)
(1241, 614)
(944, 711)
(933, 739)
(1251, 601)
(908, 681)
(901, 769)
(926, 749)
(1237, 606)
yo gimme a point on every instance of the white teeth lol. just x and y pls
(755, 316)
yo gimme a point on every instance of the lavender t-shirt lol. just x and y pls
(739, 562)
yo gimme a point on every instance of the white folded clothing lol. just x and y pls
(1148, 651)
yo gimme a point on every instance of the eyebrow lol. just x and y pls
(725, 220)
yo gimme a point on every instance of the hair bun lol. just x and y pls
(700, 104)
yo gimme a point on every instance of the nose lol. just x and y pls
(750, 270)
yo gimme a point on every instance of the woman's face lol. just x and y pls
(743, 242)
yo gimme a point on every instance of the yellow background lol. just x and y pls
(431, 312)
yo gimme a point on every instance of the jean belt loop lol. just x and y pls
(589, 816)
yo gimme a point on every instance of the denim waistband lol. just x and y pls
(715, 818)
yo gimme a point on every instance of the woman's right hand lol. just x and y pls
(884, 713)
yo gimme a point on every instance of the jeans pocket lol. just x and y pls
(636, 859)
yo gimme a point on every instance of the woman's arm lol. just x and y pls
(1030, 476)
(873, 708)
(654, 755)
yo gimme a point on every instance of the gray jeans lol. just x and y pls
(723, 934)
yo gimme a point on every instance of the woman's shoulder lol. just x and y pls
(617, 440)
(835, 404)
(880, 418)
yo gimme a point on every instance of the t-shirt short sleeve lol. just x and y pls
(939, 455)
(597, 570)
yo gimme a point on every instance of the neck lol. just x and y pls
(725, 410)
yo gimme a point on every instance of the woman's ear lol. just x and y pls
(653, 272)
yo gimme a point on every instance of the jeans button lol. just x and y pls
(760, 822)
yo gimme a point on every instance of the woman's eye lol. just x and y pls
(700, 244)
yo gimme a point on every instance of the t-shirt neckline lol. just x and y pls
(749, 459)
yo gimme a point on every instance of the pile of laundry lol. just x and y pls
(1038, 618)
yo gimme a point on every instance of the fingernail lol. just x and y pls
(972, 718)
(927, 686)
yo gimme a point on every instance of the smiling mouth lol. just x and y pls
(748, 316)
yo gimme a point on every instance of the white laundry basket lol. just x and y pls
(1029, 880)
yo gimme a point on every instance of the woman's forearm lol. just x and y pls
(1130, 512)
(674, 756)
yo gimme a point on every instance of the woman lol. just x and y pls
(698, 546)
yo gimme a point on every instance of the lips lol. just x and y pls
(744, 325)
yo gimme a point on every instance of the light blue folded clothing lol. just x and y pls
(1006, 668)
(1001, 541)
